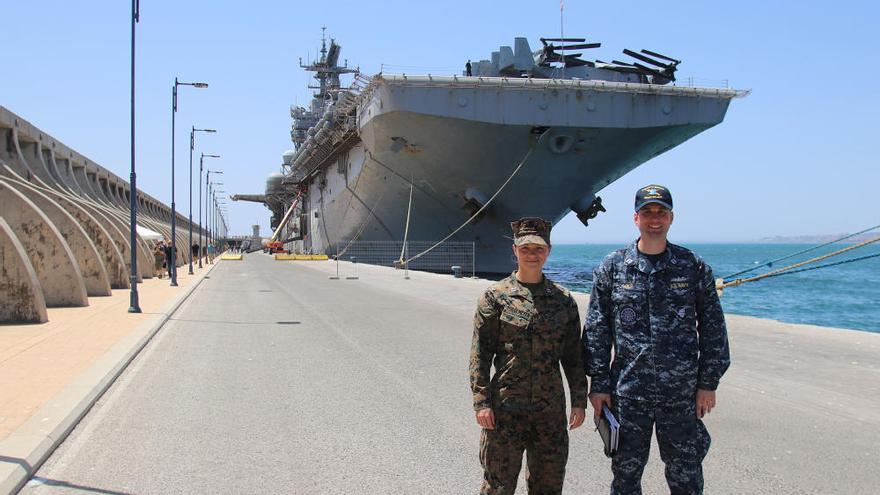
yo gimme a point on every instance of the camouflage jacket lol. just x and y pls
(664, 322)
(526, 337)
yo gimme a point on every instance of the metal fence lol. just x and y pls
(387, 253)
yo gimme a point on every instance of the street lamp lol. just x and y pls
(208, 212)
(224, 222)
(216, 200)
(201, 226)
(173, 259)
(208, 188)
(134, 305)
(192, 145)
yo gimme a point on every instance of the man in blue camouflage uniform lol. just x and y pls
(526, 325)
(655, 304)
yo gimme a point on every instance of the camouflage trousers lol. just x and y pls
(543, 437)
(681, 436)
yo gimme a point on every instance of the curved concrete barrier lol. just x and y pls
(119, 234)
(90, 265)
(117, 271)
(112, 258)
(21, 297)
(70, 217)
(50, 255)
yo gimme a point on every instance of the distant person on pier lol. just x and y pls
(170, 256)
(654, 304)
(526, 326)
(159, 259)
(467, 68)
(211, 253)
(196, 249)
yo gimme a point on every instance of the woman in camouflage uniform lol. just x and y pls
(526, 326)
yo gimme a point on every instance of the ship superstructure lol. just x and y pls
(526, 133)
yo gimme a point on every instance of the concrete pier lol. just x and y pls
(273, 378)
(71, 217)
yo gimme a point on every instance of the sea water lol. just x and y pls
(844, 296)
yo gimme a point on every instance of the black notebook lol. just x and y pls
(609, 430)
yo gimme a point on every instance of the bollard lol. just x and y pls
(456, 271)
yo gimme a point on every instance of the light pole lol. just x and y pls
(208, 188)
(173, 259)
(216, 200)
(221, 219)
(192, 145)
(224, 214)
(201, 225)
(134, 305)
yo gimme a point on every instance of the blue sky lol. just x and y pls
(797, 156)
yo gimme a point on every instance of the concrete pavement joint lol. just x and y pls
(25, 450)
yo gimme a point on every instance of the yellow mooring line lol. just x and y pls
(720, 284)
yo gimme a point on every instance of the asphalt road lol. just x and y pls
(272, 378)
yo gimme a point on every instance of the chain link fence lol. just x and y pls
(387, 253)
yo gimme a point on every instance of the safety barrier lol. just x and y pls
(391, 253)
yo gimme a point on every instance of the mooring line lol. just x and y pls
(472, 217)
(721, 284)
(770, 262)
(406, 229)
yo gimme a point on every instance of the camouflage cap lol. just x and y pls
(531, 230)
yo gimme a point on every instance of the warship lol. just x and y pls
(452, 160)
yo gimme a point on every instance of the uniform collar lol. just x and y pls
(643, 264)
(545, 288)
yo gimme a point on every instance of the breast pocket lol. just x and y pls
(513, 329)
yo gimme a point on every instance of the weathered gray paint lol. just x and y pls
(21, 297)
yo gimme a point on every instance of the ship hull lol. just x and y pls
(456, 147)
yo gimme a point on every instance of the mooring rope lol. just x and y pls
(351, 196)
(721, 284)
(406, 229)
(860, 258)
(522, 162)
(363, 225)
(770, 262)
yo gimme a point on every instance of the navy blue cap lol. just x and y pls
(653, 194)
